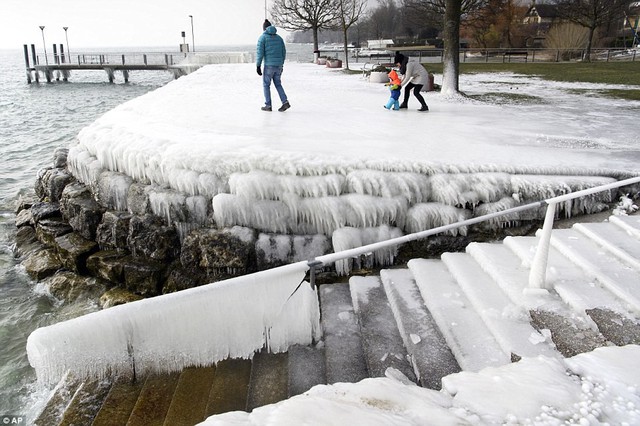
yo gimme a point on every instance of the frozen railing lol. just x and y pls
(229, 319)
(537, 277)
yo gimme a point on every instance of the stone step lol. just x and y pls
(268, 383)
(471, 342)
(508, 322)
(617, 277)
(381, 341)
(60, 397)
(428, 351)
(614, 239)
(86, 403)
(631, 224)
(154, 400)
(191, 396)
(230, 386)
(618, 329)
(118, 405)
(343, 345)
(574, 286)
(546, 308)
(306, 365)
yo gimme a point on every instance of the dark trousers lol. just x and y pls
(416, 92)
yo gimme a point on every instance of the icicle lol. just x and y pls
(112, 190)
(168, 204)
(348, 237)
(198, 326)
(504, 204)
(269, 186)
(413, 187)
(469, 189)
(431, 215)
(264, 215)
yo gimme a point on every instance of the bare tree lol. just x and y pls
(591, 14)
(382, 20)
(306, 15)
(350, 12)
(453, 11)
(497, 24)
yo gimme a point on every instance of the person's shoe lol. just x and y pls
(266, 108)
(403, 105)
(424, 108)
(285, 106)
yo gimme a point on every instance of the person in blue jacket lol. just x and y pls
(271, 49)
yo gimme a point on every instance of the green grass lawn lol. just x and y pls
(627, 73)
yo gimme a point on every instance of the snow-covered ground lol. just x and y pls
(197, 132)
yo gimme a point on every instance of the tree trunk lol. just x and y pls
(587, 54)
(346, 49)
(315, 38)
(451, 66)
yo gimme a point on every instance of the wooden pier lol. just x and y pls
(59, 65)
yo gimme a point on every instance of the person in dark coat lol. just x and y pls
(272, 51)
(414, 76)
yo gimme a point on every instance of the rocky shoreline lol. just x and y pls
(77, 247)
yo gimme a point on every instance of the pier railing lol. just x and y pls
(101, 59)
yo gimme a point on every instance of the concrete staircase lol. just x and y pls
(465, 311)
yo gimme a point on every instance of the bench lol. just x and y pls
(521, 54)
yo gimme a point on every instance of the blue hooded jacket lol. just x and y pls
(270, 48)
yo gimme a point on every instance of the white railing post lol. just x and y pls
(538, 274)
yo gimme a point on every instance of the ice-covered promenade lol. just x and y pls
(210, 122)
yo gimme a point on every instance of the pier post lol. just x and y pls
(56, 60)
(26, 62)
(110, 74)
(33, 56)
(125, 75)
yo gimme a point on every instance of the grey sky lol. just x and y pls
(130, 23)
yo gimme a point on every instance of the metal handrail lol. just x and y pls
(537, 276)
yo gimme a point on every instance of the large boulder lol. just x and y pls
(138, 199)
(113, 231)
(117, 296)
(181, 279)
(143, 277)
(26, 242)
(73, 250)
(24, 218)
(51, 182)
(71, 287)
(81, 210)
(42, 264)
(45, 210)
(229, 251)
(150, 238)
(47, 230)
(108, 265)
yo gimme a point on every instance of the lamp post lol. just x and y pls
(193, 43)
(265, 9)
(67, 39)
(44, 44)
